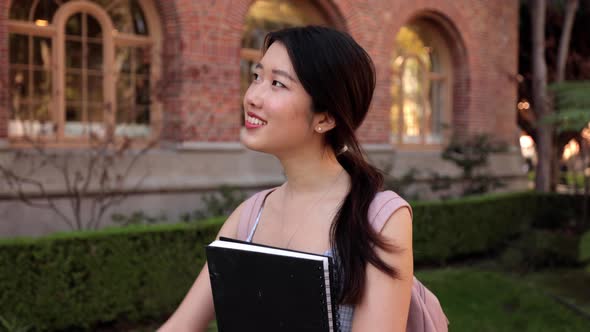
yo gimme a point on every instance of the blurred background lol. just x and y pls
(120, 155)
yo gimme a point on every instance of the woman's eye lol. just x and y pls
(278, 84)
(255, 77)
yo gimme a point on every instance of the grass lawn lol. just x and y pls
(570, 285)
(476, 300)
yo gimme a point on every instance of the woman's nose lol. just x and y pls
(254, 95)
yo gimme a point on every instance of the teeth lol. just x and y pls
(255, 121)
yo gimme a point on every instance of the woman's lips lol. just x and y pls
(254, 121)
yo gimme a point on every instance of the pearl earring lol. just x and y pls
(319, 128)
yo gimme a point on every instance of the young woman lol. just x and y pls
(310, 92)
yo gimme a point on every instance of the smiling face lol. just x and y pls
(277, 107)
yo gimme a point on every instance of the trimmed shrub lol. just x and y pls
(542, 248)
(584, 251)
(474, 225)
(83, 278)
(554, 211)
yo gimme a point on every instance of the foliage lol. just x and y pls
(558, 212)
(13, 325)
(578, 58)
(585, 248)
(402, 185)
(536, 249)
(552, 237)
(216, 204)
(475, 225)
(79, 279)
(471, 155)
(220, 203)
(572, 104)
(137, 218)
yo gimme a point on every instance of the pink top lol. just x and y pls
(425, 314)
(383, 206)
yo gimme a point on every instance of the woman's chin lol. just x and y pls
(249, 141)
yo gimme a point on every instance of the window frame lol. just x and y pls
(438, 42)
(110, 41)
(313, 10)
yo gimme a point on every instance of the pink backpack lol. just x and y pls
(426, 314)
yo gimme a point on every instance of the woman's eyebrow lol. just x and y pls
(277, 72)
(283, 73)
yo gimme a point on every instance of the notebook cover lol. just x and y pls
(263, 292)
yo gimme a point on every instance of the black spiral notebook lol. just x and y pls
(262, 288)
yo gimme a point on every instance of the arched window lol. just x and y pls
(269, 15)
(81, 67)
(421, 87)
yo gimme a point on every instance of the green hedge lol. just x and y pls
(461, 227)
(136, 273)
(80, 279)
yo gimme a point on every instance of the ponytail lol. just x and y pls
(351, 234)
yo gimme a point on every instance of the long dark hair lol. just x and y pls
(339, 76)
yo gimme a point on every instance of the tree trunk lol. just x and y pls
(564, 40)
(562, 54)
(544, 129)
(556, 156)
(585, 151)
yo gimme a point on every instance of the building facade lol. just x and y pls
(176, 71)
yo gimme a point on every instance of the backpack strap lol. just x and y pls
(249, 210)
(383, 206)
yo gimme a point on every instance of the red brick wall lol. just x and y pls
(200, 81)
(485, 53)
(484, 46)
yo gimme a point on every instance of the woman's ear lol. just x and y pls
(323, 122)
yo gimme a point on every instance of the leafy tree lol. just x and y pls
(545, 60)
(572, 118)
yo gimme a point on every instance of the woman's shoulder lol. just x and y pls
(384, 204)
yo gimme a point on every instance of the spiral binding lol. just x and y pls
(334, 274)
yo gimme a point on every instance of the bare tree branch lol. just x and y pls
(93, 178)
(564, 40)
(17, 182)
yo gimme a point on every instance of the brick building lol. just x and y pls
(176, 70)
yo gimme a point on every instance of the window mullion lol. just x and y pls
(401, 122)
(76, 85)
(31, 82)
(426, 100)
(85, 119)
(133, 64)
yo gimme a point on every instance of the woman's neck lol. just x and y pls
(308, 173)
